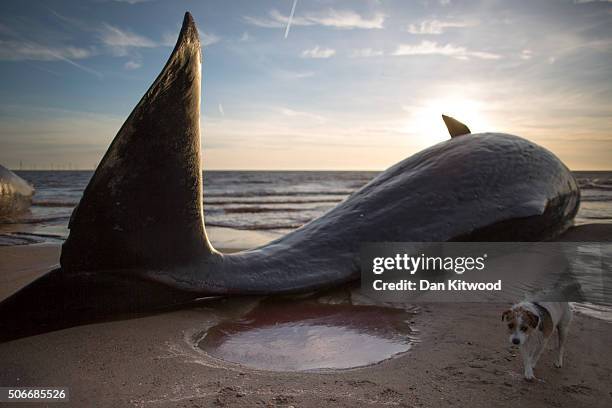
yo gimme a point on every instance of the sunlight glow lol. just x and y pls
(425, 124)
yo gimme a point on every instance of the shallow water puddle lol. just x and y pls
(306, 335)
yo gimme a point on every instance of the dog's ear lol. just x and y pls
(532, 319)
(506, 315)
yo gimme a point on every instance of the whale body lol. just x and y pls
(15, 195)
(138, 238)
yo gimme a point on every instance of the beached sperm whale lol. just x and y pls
(138, 238)
(15, 195)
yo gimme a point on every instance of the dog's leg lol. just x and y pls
(562, 332)
(537, 351)
(527, 364)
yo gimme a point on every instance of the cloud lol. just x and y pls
(22, 50)
(221, 111)
(11, 50)
(437, 26)
(318, 52)
(350, 19)
(132, 1)
(169, 39)
(264, 23)
(292, 75)
(245, 37)
(132, 65)
(447, 50)
(119, 41)
(366, 53)
(342, 19)
(526, 54)
(303, 74)
(206, 39)
(294, 113)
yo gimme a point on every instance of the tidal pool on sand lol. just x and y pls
(306, 335)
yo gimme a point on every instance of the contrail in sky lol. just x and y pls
(290, 18)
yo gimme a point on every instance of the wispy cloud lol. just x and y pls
(526, 54)
(11, 50)
(437, 26)
(318, 52)
(132, 65)
(132, 1)
(349, 19)
(265, 23)
(169, 39)
(447, 50)
(342, 19)
(292, 75)
(19, 48)
(23, 50)
(120, 41)
(366, 53)
(295, 113)
(206, 39)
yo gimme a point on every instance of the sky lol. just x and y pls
(349, 85)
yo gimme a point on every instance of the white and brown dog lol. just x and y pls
(531, 325)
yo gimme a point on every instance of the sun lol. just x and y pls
(424, 122)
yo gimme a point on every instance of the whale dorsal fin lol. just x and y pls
(143, 205)
(455, 128)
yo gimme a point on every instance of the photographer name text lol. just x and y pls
(426, 285)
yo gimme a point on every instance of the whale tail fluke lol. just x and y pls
(455, 128)
(143, 205)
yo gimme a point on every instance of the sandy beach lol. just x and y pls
(462, 358)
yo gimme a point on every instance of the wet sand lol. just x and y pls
(21, 264)
(462, 358)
